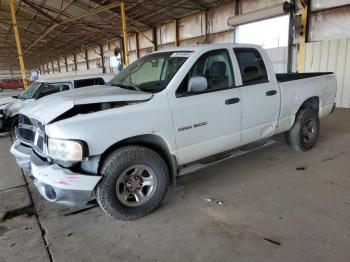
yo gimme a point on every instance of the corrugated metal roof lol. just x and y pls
(51, 28)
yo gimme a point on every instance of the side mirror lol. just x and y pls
(197, 84)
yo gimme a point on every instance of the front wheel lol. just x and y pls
(135, 181)
(304, 134)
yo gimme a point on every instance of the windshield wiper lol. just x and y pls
(21, 97)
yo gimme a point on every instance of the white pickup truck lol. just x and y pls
(167, 114)
(10, 106)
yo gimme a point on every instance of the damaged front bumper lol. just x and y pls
(54, 183)
(60, 185)
(22, 154)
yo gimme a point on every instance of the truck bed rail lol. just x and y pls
(296, 76)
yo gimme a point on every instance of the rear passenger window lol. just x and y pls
(251, 65)
(84, 82)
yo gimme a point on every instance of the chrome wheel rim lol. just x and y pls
(309, 131)
(136, 185)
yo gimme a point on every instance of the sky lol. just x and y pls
(268, 33)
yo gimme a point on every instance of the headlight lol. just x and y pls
(66, 150)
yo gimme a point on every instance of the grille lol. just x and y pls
(27, 135)
(40, 143)
(24, 120)
(32, 132)
(26, 129)
(37, 160)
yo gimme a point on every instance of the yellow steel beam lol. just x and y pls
(125, 34)
(18, 43)
(302, 39)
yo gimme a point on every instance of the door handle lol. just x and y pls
(271, 93)
(232, 101)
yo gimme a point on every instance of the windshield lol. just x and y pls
(29, 92)
(151, 73)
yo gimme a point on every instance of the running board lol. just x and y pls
(241, 151)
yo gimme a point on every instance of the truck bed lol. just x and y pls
(296, 76)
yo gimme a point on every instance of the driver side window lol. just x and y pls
(216, 67)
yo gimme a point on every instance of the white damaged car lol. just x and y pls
(10, 106)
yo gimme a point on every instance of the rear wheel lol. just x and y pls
(305, 131)
(135, 181)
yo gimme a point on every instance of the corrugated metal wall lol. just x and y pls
(279, 58)
(8, 73)
(332, 56)
(322, 56)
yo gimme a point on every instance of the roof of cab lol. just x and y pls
(207, 47)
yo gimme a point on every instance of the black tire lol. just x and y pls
(298, 138)
(1, 89)
(114, 166)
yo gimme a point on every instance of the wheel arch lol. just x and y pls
(312, 102)
(14, 115)
(153, 142)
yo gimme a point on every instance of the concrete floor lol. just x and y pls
(269, 205)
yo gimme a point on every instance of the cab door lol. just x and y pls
(260, 96)
(207, 121)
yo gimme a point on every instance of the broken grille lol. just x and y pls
(31, 132)
(26, 129)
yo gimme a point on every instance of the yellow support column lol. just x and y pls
(301, 60)
(18, 43)
(125, 34)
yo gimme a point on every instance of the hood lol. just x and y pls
(48, 108)
(6, 100)
(14, 107)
